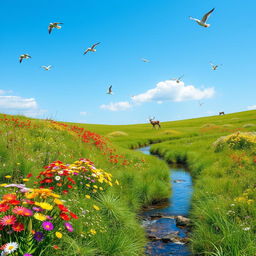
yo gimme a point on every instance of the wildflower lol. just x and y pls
(93, 231)
(73, 215)
(14, 202)
(27, 254)
(97, 208)
(57, 201)
(39, 216)
(38, 236)
(19, 210)
(28, 212)
(44, 205)
(4, 207)
(11, 247)
(56, 247)
(37, 209)
(246, 228)
(47, 225)
(87, 196)
(8, 176)
(69, 227)
(57, 178)
(18, 227)
(25, 180)
(58, 235)
(64, 216)
(8, 220)
(9, 197)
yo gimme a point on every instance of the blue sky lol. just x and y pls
(75, 89)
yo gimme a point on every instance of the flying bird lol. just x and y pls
(54, 25)
(47, 68)
(91, 49)
(215, 67)
(200, 103)
(203, 21)
(145, 60)
(178, 80)
(110, 90)
(24, 56)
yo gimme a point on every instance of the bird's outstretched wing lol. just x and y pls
(49, 29)
(206, 16)
(21, 59)
(95, 45)
(86, 51)
(110, 88)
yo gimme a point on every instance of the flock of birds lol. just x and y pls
(57, 25)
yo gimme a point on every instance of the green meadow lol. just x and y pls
(222, 165)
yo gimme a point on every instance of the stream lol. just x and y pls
(165, 223)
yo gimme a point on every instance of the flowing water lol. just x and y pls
(160, 221)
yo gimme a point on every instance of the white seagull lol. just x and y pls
(54, 25)
(178, 80)
(145, 60)
(110, 90)
(47, 68)
(91, 49)
(24, 56)
(203, 21)
(215, 67)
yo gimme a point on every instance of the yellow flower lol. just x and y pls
(117, 182)
(97, 208)
(87, 196)
(57, 201)
(93, 231)
(101, 188)
(3, 185)
(88, 185)
(58, 234)
(39, 216)
(95, 186)
(8, 176)
(25, 180)
(44, 205)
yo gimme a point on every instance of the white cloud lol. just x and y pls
(16, 102)
(83, 113)
(16, 105)
(169, 90)
(117, 106)
(251, 107)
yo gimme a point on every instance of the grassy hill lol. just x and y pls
(105, 184)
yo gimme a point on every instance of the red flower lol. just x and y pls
(29, 175)
(18, 227)
(4, 207)
(71, 180)
(8, 220)
(69, 186)
(63, 208)
(73, 215)
(9, 197)
(56, 247)
(14, 202)
(64, 216)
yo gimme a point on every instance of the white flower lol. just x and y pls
(57, 178)
(60, 172)
(11, 247)
(246, 228)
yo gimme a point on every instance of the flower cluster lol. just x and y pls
(80, 175)
(239, 140)
(29, 217)
(247, 197)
